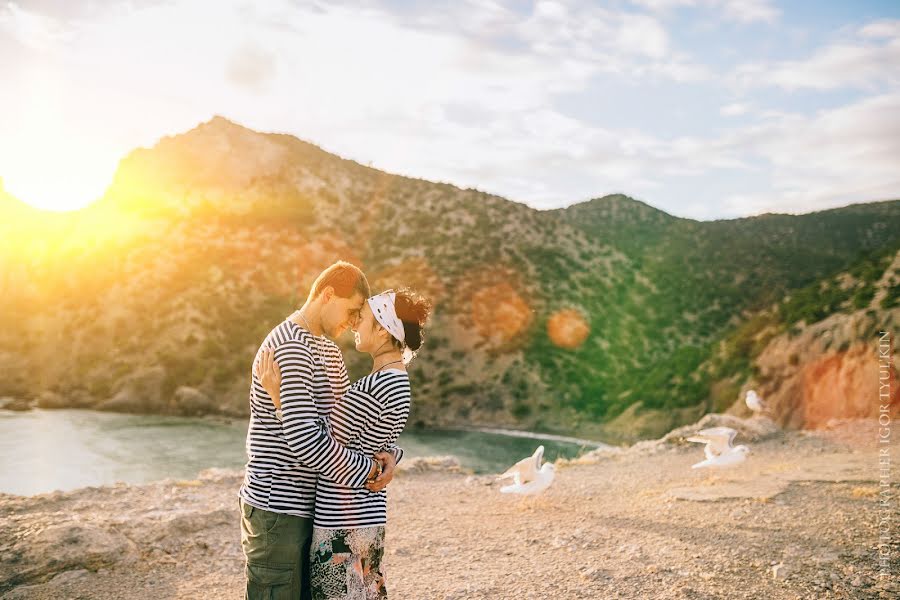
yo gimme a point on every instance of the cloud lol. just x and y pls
(881, 29)
(251, 67)
(749, 11)
(587, 37)
(640, 34)
(599, 36)
(734, 110)
(844, 155)
(743, 11)
(797, 163)
(33, 30)
(866, 61)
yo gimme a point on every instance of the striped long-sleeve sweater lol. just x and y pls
(369, 418)
(285, 457)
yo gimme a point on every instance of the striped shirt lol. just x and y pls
(285, 457)
(369, 418)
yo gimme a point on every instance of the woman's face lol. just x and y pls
(370, 336)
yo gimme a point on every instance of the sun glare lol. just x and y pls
(51, 172)
(48, 159)
(60, 187)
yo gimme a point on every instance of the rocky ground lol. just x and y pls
(798, 520)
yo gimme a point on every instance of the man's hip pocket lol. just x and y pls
(268, 582)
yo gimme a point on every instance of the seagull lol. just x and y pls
(719, 450)
(754, 402)
(529, 477)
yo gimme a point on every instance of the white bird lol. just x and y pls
(529, 477)
(754, 402)
(719, 450)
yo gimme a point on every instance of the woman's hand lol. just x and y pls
(269, 375)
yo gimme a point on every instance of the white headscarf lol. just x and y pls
(383, 308)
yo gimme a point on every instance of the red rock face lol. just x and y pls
(847, 385)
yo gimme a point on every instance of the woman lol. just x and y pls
(348, 532)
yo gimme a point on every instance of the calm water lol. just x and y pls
(45, 450)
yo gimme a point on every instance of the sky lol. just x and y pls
(706, 109)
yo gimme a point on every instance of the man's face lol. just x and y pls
(340, 314)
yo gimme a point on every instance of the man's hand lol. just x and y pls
(387, 472)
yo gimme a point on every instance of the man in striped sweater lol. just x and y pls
(289, 447)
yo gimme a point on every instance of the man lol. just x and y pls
(288, 447)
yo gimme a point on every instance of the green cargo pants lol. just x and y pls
(276, 547)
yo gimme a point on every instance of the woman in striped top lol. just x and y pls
(348, 534)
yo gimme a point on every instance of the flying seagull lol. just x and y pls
(719, 450)
(529, 477)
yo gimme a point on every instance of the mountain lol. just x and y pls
(607, 317)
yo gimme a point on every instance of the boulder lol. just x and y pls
(64, 547)
(748, 430)
(754, 429)
(429, 463)
(191, 401)
(125, 402)
(140, 392)
(18, 404)
(81, 399)
(50, 399)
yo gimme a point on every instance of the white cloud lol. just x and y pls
(744, 11)
(735, 109)
(798, 163)
(855, 63)
(33, 30)
(748, 11)
(844, 155)
(251, 66)
(881, 29)
(640, 34)
(584, 36)
(829, 159)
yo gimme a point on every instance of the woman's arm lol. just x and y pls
(269, 374)
(301, 424)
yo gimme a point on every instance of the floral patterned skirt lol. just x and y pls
(345, 564)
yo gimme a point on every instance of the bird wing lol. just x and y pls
(538, 456)
(718, 439)
(707, 450)
(523, 470)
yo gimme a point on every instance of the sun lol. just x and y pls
(50, 158)
(57, 180)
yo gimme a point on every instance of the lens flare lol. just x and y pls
(414, 273)
(568, 328)
(500, 313)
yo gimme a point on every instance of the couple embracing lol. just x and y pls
(321, 451)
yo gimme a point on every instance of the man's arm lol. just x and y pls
(300, 422)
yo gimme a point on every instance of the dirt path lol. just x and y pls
(798, 520)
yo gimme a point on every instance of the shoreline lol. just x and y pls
(530, 435)
(91, 461)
